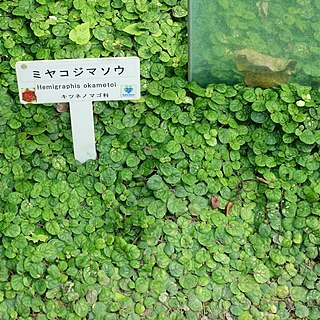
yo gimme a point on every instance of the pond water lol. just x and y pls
(287, 30)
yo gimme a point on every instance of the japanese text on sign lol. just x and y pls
(77, 72)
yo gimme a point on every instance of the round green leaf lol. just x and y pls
(194, 302)
(302, 311)
(156, 183)
(247, 284)
(12, 231)
(80, 34)
(307, 137)
(261, 273)
(53, 227)
(158, 135)
(188, 281)
(173, 147)
(81, 308)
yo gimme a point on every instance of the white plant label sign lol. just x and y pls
(79, 82)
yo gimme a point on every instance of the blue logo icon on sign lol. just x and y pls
(128, 91)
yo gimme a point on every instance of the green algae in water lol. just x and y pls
(284, 29)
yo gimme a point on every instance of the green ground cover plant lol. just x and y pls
(202, 204)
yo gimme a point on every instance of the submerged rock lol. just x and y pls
(261, 70)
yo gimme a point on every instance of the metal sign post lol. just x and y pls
(79, 82)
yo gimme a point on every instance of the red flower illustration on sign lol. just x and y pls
(29, 95)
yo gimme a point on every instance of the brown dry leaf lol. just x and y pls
(62, 107)
(263, 180)
(215, 202)
(228, 207)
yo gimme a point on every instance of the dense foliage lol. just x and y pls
(203, 203)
